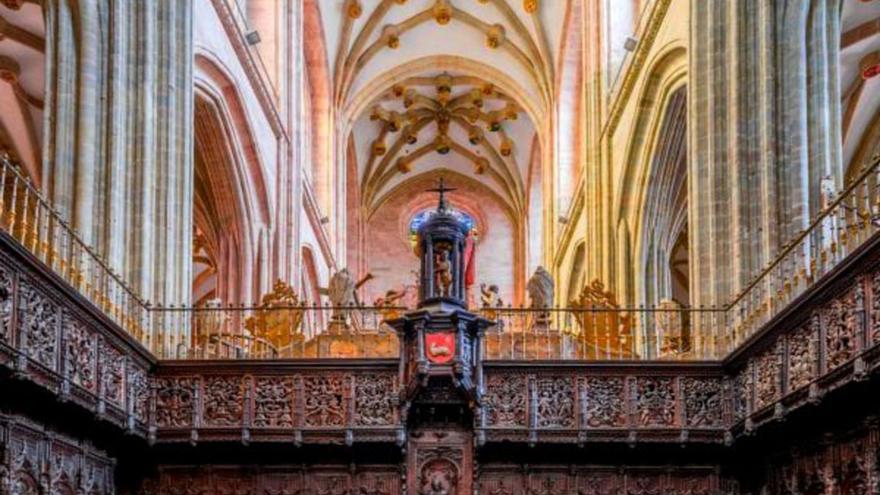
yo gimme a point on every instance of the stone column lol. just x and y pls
(118, 147)
(766, 130)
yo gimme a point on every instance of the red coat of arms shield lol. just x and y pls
(440, 347)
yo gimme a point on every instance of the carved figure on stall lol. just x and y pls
(670, 328)
(436, 483)
(342, 292)
(540, 287)
(489, 296)
(342, 289)
(490, 301)
(442, 272)
(387, 302)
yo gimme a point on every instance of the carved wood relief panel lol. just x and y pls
(225, 403)
(35, 461)
(767, 377)
(277, 480)
(655, 401)
(583, 400)
(802, 354)
(51, 338)
(843, 466)
(843, 325)
(505, 400)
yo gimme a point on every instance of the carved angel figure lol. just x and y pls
(540, 288)
(489, 295)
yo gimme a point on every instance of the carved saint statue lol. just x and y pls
(437, 483)
(669, 318)
(341, 290)
(540, 288)
(442, 272)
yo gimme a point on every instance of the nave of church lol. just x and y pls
(440, 247)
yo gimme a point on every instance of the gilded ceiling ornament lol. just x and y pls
(477, 98)
(488, 89)
(475, 135)
(397, 90)
(404, 165)
(495, 36)
(379, 148)
(354, 9)
(442, 12)
(506, 146)
(409, 97)
(442, 144)
(530, 6)
(391, 35)
(480, 165)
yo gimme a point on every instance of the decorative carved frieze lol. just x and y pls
(655, 402)
(324, 400)
(374, 399)
(603, 480)
(606, 405)
(555, 402)
(273, 402)
(39, 325)
(703, 401)
(279, 480)
(175, 402)
(223, 402)
(505, 400)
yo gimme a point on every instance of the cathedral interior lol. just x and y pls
(440, 247)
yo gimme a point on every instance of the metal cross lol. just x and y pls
(442, 189)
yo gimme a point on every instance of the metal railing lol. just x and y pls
(275, 332)
(27, 216)
(603, 333)
(849, 219)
